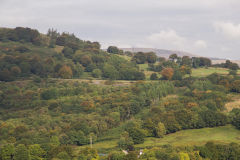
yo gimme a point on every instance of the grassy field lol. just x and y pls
(203, 72)
(235, 102)
(125, 57)
(199, 72)
(224, 134)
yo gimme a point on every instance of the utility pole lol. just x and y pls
(91, 141)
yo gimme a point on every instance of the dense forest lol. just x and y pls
(60, 94)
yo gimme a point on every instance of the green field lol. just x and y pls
(224, 134)
(203, 72)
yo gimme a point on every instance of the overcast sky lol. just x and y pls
(203, 27)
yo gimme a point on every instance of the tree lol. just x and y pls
(236, 117)
(136, 134)
(49, 94)
(85, 60)
(235, 86)
(161, 59)
(60, 41)
(177, 75)
(65, 72)
(113, 49)
(116, 155)
(151, 57)
(16, 71)
(88, 153)
(173, 57)
(205, 61)
(7, 152)
(78, 70)
(110, 72)
(63, 156)
(36, 152)
(96, 73)
(186, 61)
(68, 52)
(125, 141)
(139, 58)
(77, 138)
(184, 156)
(233, 66)
(167, 73)
(160, 130)
(232, 72)
(153, 76)
(132, 155)
(22, 153)
(5, 75)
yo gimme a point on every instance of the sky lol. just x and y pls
(203, 27)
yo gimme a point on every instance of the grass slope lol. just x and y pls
(203, 72)
(224, 134)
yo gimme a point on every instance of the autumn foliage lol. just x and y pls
(65, 72)
(167, 73)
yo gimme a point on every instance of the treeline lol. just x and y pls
(22, 35)
(45, 151)
(60, 56)
(210, 150)
(228, 64)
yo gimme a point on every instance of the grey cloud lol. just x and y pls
(130, 22)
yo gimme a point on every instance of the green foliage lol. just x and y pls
(184, 156)
(136, 134)
(113, 49)
(63, 156)
(7, 152)
(110, 72)
(235, 86)
(65, 72)
(116, 155)
(22, 153)
(139, 58)
(125, 141)
(88, 153)
(49, 94)
(36, 152)
(235, 116)
(68, 52)
(160, 130)
(97, 73)
(220, 151)
(80, 56)
(43, 117)
(153, 76)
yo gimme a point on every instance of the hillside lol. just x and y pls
(60, 94)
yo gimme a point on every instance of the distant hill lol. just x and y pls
(160, 52)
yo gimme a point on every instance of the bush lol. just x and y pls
(96, 73)
(153, 76)
(136, 134)
(49, 94)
